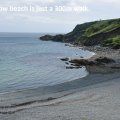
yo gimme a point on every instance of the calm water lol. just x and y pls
(27, 62)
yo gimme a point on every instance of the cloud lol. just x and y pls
(99, 9)
(56, 2)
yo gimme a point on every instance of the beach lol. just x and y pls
(104, 52)
(94, 97)
(95, 102)
(59, 60)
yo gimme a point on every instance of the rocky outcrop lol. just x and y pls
(82, 62)
(96, 61)
(57, 38)
(99, 39)
(73, 67)
(91, 34)
(104, 60)
(77, 63)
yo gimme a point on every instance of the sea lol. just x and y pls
(26, 62)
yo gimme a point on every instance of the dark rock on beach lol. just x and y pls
(78, 62)
(64, 59)
(67, 63)
(97, 61)
(104, 60)
(73, 67)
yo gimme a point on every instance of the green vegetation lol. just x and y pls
(103, 32)
(102, 27)
(114, 42)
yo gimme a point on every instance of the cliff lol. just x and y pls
(103, 33)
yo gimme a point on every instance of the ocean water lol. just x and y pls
(27, 62)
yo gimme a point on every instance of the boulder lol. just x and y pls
(97, 61)
(73, 67)
(83, 62)
(64, 59)
(104, 60)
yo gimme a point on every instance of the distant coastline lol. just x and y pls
(105, 33)
(101, 37)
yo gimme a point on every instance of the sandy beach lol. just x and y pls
(95, 102)
(95, 97)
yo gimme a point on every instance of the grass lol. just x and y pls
(102, 26)
(88, 33)
(113, 42)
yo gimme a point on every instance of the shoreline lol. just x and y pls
(89, 92)
(109, 55)
(99, 78)
(104, 52)
(59, 92)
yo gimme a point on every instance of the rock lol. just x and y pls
(104, 60)
(64, 59)
(97, 61)
(75, 64)
(115, 67)
(83, 62)
(46, 37)
(57, 38)
(67, 63)
(72, 67)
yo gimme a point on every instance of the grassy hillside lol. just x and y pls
(113, 42)
(103, 32)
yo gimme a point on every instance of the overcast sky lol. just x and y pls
(54, 22)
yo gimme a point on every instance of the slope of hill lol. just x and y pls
(103, 32)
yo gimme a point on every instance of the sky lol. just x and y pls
(31, 15)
